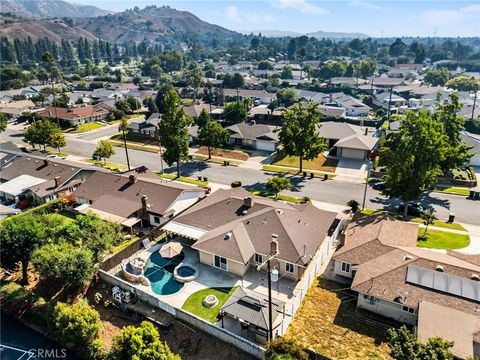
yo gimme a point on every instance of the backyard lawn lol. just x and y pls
(194, 302)
(327, 323)
(321, 163)
(436, 239)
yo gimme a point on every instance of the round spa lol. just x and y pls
(184, 273)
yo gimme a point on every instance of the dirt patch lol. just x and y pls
(321, 163)
(328, 323)
(182, 339)
(225, 153)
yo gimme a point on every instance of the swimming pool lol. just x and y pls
(159, 271)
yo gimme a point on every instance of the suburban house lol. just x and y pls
(27, 180)
(232, 230)
(474, 141)
(15, 109)
(261, 96)
(346, 81)
(255, 136)
(383, 100)
(135, 198)
(194, 110)
(146, 128)
(332, 111)
(75, 115)
(347, 140)
(437, 292)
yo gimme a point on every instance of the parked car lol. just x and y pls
(52, 156)
(414, 209)
(381, 185)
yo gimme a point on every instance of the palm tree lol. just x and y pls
(123, 128)
(428, 218)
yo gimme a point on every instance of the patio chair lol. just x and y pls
(146, 243)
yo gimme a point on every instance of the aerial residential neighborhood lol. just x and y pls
(284, 179)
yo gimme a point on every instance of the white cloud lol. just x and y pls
(359, 4)
(451, 17)
(237, 16)
(301, 5)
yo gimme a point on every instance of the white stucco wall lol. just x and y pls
(387, 309)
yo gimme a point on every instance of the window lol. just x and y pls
(345, 267)
(258, 258)
(369, 299)
(289, 268)
(156, 219)
(408, 309)
(220, 262)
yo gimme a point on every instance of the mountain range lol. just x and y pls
(317, 34)
(41, 9)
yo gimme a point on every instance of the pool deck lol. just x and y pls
(212, 277)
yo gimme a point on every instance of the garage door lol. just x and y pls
(353, 153)
(265, 146)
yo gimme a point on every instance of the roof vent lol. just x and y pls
(227, 236)
(278, 211)
(408, 257)
(244, 212)
(475, 277)
(439, 268)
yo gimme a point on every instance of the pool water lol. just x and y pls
(159, 271)
(185, 271)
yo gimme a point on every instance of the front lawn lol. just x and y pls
(453, 190)
(194, 302)
(288, 170)
(321, 163)
(86, 127)
(442, 224)
(148, 148)
(183, 179)
(109, 166)
(224, 153)
(436, 239)
(282, 197)
(328, 323)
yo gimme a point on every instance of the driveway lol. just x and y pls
(351, 170)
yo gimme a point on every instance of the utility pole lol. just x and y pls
(160, 145)
(390, 103)
(474, 104)
(238, 98)
(369, 163)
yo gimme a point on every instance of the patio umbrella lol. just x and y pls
(171, 249)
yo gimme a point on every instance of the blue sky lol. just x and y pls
(374, 17)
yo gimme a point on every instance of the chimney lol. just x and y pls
(366, 131)
(45, 162)
(132, 179)
(57, 181)
(274, 245)
(248, 201)
(145, 205)
(331, 98)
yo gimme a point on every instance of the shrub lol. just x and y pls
(353, 205)
(78, 327)
(236, 184)
(282, 348)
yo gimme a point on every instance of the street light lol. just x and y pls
(369, 164)
(272, 255)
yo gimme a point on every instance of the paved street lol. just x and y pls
(336, 192)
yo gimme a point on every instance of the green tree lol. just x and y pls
(287, 96)
(66, 262)
(212, 135)
(413, 156)
(163, 90)
(104, 150)
(282, 348)
(203, 118)
(458, 153)
(138, 343)
(150, 104)
(3, 122)
(56, 139)
(40, 133)
(437, 77)
(174, 129)
(404, 345)
(194, 79)
(463, 83)
(77, 326)
(123, 127)
(265, 65)
(277, 184)
(21, 236)
(428, 218)
(397, 48)
(286, 73)
(235, 112)
(299, 134)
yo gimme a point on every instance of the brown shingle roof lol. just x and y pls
(385, 277)
(116, 194)
(74, 113)
(367, 237)
(300, 228)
